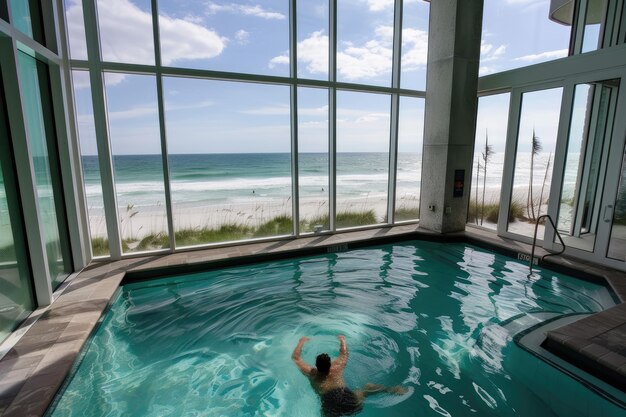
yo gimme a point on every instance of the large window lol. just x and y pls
(490, 143)
(521, 33)
(90, 163)
(409, 167)
(229, 153)
(236, 111)
(362, 158)
(137, 161)
(536, 141)
(313, 177)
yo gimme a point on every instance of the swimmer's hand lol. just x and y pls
(304, 339)
(341, 337)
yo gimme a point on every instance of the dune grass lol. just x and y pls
(281, 225)
(490, 212)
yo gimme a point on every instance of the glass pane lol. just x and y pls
(313, 159)
(89, 158)
(49, 211)
(364, 42)
(313, 39)
(585, 164)
(520, 33)
(536, 140)
(593, 22)
(16, 300)
(490, 142)
(20, 16)
(238, 36)
(4, 11)
(138, 164)
(230, 160)
(617, 244)
(126, 31)
(414, 45)
(409, 171)
(362, 158)
(76, 29)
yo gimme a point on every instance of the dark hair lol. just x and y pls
(322, 363)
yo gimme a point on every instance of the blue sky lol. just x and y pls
(252, 37)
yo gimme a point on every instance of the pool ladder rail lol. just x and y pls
(532, 253)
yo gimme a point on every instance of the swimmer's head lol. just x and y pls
(322, 363)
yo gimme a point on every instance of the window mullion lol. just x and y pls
(332, 113)
(102, 132)
(163, 132)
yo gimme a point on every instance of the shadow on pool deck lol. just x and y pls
(35, 367)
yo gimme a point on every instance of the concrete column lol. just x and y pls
(450, 115)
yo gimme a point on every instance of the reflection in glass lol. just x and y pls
(48, 185)
(137, 162)
(21, 16)
(536, 140)
(593, 21)
(585, 165)
(364, 42)
(414, 45)
(313, 39)
(362, 158)
(126, 31)
(230, 159)
(237, 36)
(16, 300)
(490, 142)
(75, 23)
(617, 244)
(89, 162)
(409, 171)
(516, 34)
(313, 159)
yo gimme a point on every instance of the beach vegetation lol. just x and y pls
(486, 155)
(7, 253)
(406, 213)
(530, 200)
(281, 225)
(543, 185)
(345, 219)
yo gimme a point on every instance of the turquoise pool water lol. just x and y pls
(433, 317)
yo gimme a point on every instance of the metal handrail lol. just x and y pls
(532, 253)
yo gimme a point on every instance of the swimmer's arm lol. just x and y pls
(304, 367)
(342, 360)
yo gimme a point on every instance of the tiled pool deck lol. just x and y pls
(34, 368)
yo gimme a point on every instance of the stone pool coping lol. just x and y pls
(34, 369)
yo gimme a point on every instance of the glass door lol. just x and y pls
(584, 174)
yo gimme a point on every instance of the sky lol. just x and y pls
(251, 36)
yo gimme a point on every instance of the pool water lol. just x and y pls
(429, 316)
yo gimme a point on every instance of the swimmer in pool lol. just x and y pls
(327, 380)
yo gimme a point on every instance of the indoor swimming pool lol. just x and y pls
(438, 318)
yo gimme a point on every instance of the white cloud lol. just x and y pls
(489, 52)
(242, 37)
(313, 111)
(256, 11)
(543, 56)
(126, 33)
(269, 111)
(137, 112)
(364, 61)
(378, 5)
(415, 47)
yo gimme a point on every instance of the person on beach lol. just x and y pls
(327, 380)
